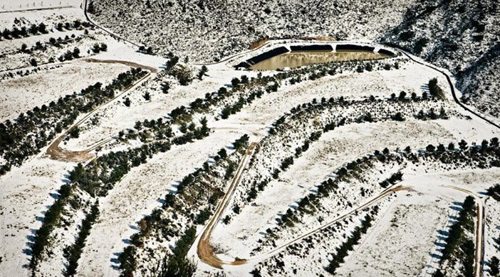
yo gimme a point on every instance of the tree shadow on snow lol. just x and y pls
(439, 244)
(133, 227)
(160, 200)
(65, 178)
(453, 218)
(483, 192)
(115, 262)
(313, 190)
(443, 233)
(456, 208)
(28, 251)
(31, 238)
(174, 186)
(441, 238)
(436, 256)
(425, 88)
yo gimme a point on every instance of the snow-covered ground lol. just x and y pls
(336, 148)
(9, 11)
(24, 5)
(45, 87)
(406, 226)
(459, 36)
(406, 233)
(118, 117)
(138, 194)
(25, 194)
(409, 232)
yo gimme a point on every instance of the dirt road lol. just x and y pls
(478, 260)
(127, 63)
(204, 248)
(55, 152)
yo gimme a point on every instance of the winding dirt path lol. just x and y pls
(204, 248)
(55, 152)
(452, 87)
(369, 203)
(206, 254)
(127, 63)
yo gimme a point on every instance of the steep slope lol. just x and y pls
(209, 30)
(461, 36)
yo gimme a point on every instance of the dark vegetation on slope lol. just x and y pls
(33, 130)
(460, 35)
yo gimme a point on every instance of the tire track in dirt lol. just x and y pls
(55, 152)
(204, 248)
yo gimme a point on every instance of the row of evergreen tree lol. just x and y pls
(458, 245)
(309, 110)
(344, 248)
(487, 155)
(179, 202)
(36, 29)
(73, 252)
(96, 178)
(32, 130)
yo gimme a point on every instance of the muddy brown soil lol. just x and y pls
(128, 63)
(205, 249)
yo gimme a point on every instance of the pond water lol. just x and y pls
(301, 58)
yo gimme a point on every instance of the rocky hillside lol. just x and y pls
(459, 35)
(207, 30)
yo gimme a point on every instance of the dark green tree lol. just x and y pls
(494, 266)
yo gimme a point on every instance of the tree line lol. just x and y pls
(32, 130)
(309, 110)
(36, 29)
(96, 178)
(73, 252)
(192, 185)
(486, 155)
(353, 239)
(458, 246)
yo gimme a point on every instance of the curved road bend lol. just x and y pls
(452, 87)
(369, 203)
(207, 256)
(205, 251)
(204, 248)
(481, 210)
(479, 231)
(57, 153)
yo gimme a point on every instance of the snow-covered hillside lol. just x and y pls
(461, 36)
(249, 138)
